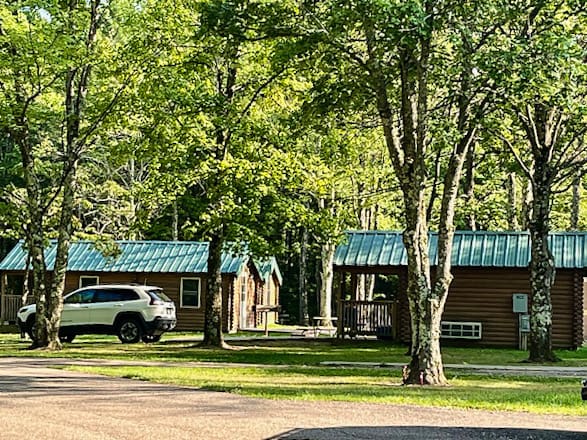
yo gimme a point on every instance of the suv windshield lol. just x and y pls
(158, 295)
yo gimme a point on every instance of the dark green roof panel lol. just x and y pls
(135, 256)
(267, 268)
(470, 249)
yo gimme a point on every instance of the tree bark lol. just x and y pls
(327, 260)
(55, 300)
(542, 275)
(512, 207)
(538, 122)
(33, 228)
(213, 335)
(469, 188)
(174, 222)
(576, 202)
(304, 318)
(527, 206)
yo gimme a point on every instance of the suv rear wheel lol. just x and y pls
(31, 326)
(129, 331)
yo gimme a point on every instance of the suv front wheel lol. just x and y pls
(31, 327)
(129, 331)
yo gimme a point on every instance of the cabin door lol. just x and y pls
(243, 302)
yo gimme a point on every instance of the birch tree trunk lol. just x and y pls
(174, 222)
(576, 202)
(365, 282)
(55, 300)
(512, 208)
(541, 129)
(304, 318)
(469, 187)
(527, 204)
(542, 275)
(33, 228)
(327, 274)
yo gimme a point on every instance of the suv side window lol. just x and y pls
(128, 295)
(83, 297)
(113, 295)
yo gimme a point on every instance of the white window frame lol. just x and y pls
(199, 293)
(455, 330)
(85, 277)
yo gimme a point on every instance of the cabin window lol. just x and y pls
(460, 330)
(88, 280)
(190, 293)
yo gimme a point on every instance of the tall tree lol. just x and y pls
(415, 64)
(543, 85)
(51, 56)
(213, 95)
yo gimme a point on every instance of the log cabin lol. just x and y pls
(179, 267)
(489, 299)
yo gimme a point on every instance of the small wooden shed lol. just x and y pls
(491, 282)
(180, 268)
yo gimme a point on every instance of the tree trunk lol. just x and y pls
(541, 131)
(55, 300)
(174, 222)
(365, 282)
(527, 206)
(369, 286)
(360, 287)
(512, 208)
(469, 188)
(327, 260)
(576, 202)
(542, 275)
(36, 250)
(542, 270)
(213, 335)
(407, 141)
(304, 318)
(33, 228)
(26, 282)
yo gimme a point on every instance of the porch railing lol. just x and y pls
(365, 318)
(9, 307)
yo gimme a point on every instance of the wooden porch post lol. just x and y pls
(354, 286)
(3, 282)
(339, 298)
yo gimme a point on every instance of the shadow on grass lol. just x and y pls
(426, 432)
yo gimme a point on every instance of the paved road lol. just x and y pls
(37, 402)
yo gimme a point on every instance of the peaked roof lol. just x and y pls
(470, 248)
(135, 256)
(267, 267)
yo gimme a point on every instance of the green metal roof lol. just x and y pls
(470, 248)
(267, 267)
(135, 256)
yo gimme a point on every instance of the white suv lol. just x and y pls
(132, 312)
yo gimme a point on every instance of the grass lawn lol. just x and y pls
(374, 385)
(181, 347)
(291, 370)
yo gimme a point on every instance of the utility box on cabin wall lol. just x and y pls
(520, 307)
(520, 303)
